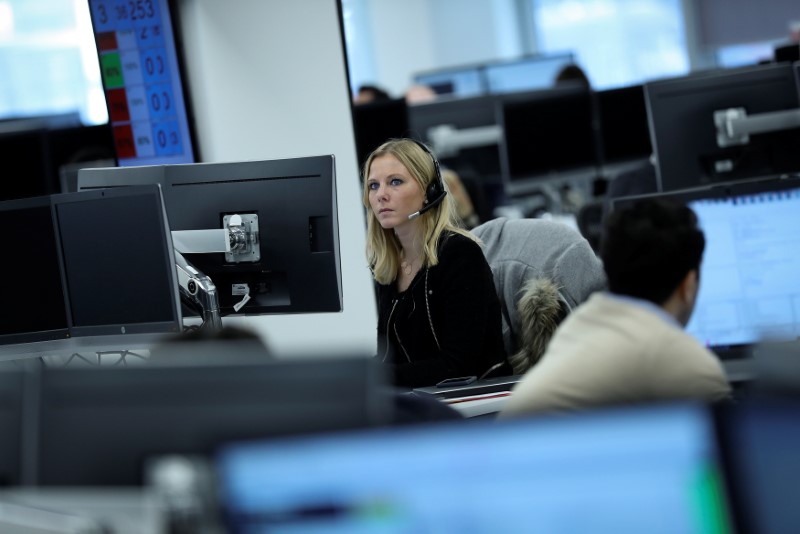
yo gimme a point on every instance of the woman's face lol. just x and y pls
(393, 193)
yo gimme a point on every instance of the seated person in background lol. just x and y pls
(628, 345)
(572, 75)
(463, 203)
(370, 93)
(542, 271)
(419, 94)
(640, 180)
(438, 313)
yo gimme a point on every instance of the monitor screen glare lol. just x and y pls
(642, 470)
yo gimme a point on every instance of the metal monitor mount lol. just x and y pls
(448, 141)
(238, 239)
(734, 125)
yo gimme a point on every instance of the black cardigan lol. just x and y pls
(461, 311)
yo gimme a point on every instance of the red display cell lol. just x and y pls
(106, 41)
(123, 140)
(118, 105)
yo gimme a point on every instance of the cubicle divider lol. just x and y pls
(103, 426)
(299, 442)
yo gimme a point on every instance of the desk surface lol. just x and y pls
(479, 387)
(478, 405)
(479, 398)
(485, 397)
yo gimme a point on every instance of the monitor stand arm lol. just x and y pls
(448, 141)
(198, 292)
(239, 240)
(734, 125)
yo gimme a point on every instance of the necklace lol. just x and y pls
(408, 266)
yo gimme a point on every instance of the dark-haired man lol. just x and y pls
(628, 345)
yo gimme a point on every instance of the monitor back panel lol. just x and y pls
(99, 426)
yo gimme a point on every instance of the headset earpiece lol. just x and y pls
(435, 192)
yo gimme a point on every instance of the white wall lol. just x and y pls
(268, 81)
(402, 41)
(474, 31)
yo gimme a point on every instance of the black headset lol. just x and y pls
(435, 192)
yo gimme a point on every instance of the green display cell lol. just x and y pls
(111, 66)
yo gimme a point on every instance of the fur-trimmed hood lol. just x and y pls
(519, 250)
(540, 309)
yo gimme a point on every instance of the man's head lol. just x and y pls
(652, 250)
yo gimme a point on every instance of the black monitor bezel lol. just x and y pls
(677, 151)
(37, 337)
(588, 166)
(376, 122)
(153, 194)
(607, 110)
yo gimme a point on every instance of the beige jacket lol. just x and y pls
(611, 351)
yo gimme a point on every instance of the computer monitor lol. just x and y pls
(684, 135)
(116, 244)
(37, 148)
(29, 234)
(760, 439)
(461, 114)
(460, 82)
(481, 161)
(292, 203)
(624, 131)
(646, 469)
(749, 289)
(547, 134)
(376, 122)
(98, 426)
(148, 105)
(526, 74)
(101, 266)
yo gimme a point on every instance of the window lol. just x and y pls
(357, 40)
(48, 61)
(617, 42)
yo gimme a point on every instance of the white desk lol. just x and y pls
(478, 405)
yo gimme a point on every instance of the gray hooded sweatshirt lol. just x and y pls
(542, 270)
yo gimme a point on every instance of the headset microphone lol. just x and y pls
(430, 205)
(435, 192)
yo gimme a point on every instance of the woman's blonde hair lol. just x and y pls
(383, 247)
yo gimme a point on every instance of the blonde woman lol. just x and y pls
(438, 313)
